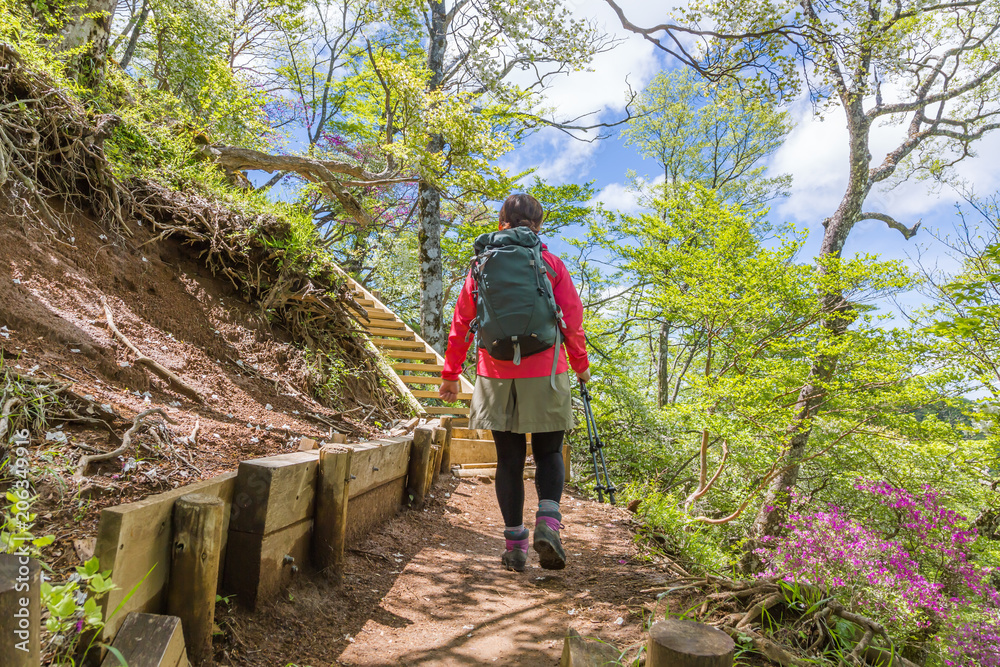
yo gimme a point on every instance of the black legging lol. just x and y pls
(550, 474)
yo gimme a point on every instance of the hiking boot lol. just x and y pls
(551, 554)
(516, 555)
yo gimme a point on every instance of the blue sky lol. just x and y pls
(815, 153)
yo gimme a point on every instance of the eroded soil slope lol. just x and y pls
(255, 382)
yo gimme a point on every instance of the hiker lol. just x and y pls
(519, 389)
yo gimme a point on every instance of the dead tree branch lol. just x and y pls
(157, 369)
(85, 461)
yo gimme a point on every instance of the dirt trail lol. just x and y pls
(427, 589)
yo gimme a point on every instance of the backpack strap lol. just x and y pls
(560, 321)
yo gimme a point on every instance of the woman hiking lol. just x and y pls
(527, 393)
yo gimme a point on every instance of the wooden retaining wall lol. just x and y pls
(133, 541)
(270, 505)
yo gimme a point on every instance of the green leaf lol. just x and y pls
(100, 585)
(42, 542)
(89, 569)
(63, 607)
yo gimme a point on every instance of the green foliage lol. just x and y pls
(16, 534)
(34, 402)
(963, 323)
(73, 611)
(668, 527)
(742, 323)
(22, 31)
(66, 613)
(710, 133)
(326, 372)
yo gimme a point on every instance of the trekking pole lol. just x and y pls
(596, 448)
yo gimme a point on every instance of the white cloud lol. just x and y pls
(622, 197)
(605, 88)
(593, 96)
(816, 155)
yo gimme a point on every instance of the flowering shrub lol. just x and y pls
(916, 576)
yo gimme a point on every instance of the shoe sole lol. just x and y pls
(550, 553)
(513, 566)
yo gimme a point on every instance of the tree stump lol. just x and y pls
(330, 527)
(20, 611)
(194, 571)
(674, 643)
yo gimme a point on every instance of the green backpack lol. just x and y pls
(516, 311)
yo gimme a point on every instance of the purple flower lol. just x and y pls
(898, 579)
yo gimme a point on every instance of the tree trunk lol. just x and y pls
(663, 372)
(86, 26)
(431, 268)
(133, 39)
(774, 509)
(431, 265)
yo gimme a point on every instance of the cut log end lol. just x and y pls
(689, 644)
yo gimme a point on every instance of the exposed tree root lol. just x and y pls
(790, 624)
(157, 369)
(768, 648)
(85, 461)
(51, 149)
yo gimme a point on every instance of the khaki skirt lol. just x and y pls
(522, 405)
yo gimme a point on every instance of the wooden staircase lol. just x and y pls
(419, 367)
(416, 363)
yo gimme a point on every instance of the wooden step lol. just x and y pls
(471, 433)
(472, 451)
(375, 314)
(397, 333)
(430, 368)
(471, 442)
(390, 343)
(375, 317)
(426, 393)
(421, 379)
(409, 354)
(437, 410)
(367, 303)
(491, 472)
(387, 324)
(477, 434)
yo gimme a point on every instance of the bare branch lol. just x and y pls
(85, 461)
(322, 172)
(907, 232)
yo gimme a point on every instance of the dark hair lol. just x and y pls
(522, 210)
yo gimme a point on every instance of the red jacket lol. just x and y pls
(537, 365)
